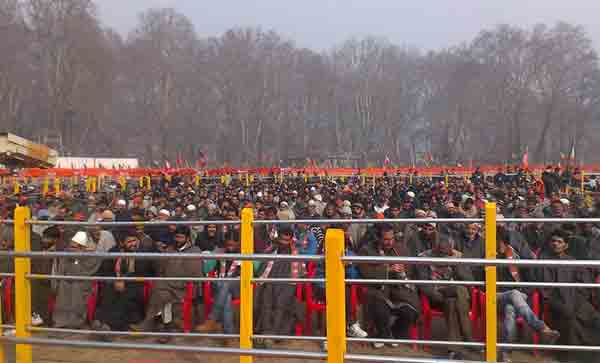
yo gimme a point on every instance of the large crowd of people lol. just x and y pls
(386, 311)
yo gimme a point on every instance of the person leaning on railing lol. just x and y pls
(570, 309)
(452, 300)
(391, 308)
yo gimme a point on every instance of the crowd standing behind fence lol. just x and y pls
(100, 267)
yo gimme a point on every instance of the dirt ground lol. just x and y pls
(46, 354)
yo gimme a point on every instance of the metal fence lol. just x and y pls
(335, 283)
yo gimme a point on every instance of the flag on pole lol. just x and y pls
(526, 158)
(387, 161)
(201, 162)
(572, 153)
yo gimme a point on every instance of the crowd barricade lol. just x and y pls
(335, 290)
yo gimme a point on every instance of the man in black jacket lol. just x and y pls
(122, 302)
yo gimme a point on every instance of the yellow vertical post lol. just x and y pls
(197, 180)
(335, 290)
(45, 186)
(93, 185)
(16, 186)
(446, 180)
(582, 181)
(56, 185)
(491, 352)
(246, 293)
(141, 182)
(22, 285)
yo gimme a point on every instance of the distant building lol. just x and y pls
(17, 152)
(92, 163)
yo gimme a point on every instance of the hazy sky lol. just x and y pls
(320, 24)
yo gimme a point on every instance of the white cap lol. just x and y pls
(259, 194)
(411, 194)
(241, 193)
(164, 212)
(295, 192)
(565, 201)
(121, 202)
(347, 203)
(319, 197)
(80, 238)
(313, 189)
(191, 208)
(312, 203)
(284, 204)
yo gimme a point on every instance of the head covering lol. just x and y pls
(318, 198)
(191, 208)
(164, 212)
(80, 238)
(121, 203)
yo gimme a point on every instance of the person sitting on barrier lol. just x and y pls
(276, 308)
(513, 301)
(221, 317)
(451, 299)
(166, 294)
(72, 295)
(121, 303)
(570, 309)
(392, 308)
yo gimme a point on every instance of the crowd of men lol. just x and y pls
(388, 311)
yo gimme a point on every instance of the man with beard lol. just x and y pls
(165, 294)
(423, 240)
(572, 313)
(276, 309)
(221, 316)
(72, 295)
(122, 302)
(452, 300)
(393, 308)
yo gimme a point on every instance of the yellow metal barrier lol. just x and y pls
(491, 351)
(246, 293)
(22, 284)
(335, 290)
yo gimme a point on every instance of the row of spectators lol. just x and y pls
(387, 311)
